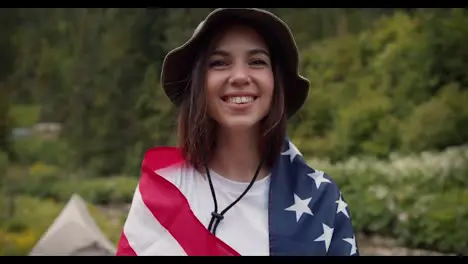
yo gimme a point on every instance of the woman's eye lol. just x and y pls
(258, 62)
(217, 63)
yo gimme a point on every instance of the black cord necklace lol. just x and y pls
(217, 217)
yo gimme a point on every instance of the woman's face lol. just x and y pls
(239, 79)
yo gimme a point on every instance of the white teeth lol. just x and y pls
(240, 99)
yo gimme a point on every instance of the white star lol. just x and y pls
(326, 236)
(342, 207)
(317, 176)
(292, 152)
(300, 207)
(352, 242)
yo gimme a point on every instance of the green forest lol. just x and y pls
(386, 115)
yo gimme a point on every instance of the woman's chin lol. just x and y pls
(239, 123)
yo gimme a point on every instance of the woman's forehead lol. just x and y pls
(239, 36)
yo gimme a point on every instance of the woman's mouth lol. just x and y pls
(239, 100)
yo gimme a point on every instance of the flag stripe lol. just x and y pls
(145, 234)
(124, 248)
(170, 207)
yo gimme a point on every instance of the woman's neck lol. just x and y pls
(237, 155)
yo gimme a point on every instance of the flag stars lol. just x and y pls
(341, 208)
(318, 178)
(300, 206)
(352, 242)
(326, 236)
(292, 152)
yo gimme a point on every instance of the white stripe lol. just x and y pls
(146, 235)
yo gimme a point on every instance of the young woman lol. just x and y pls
(235, 185)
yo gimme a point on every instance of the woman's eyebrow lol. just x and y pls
(258, 51)
(254, 51)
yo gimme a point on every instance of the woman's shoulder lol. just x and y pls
(167, 162)
(162, 157)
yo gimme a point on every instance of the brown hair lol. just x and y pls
(197, 131)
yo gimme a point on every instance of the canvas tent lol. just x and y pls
(74, 233)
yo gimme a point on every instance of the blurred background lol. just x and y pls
(387, 116)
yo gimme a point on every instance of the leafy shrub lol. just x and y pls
(16, 244)
(3, 161)
(437, 221)
(39, 179)
(109, 190)
(45, 181)
(422, 200)
(35, 149)
(25, 115)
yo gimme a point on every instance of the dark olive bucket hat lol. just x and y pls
(178, 63)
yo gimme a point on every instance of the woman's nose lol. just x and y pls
(240, 75)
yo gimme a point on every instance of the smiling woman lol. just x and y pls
(239, 72)
(235, 185)
(239, 80)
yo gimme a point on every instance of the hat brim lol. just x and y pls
(178, 63)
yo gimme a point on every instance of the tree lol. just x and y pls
(8, 25)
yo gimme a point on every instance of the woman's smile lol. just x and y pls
(239, 102)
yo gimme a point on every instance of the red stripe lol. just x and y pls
(124, 248)
(170, 207)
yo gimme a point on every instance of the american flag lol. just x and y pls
(308, 215)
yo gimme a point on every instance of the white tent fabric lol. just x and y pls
(73, 232)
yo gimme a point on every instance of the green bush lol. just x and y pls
(438, 221)
(109, 190)
(35, 149)
(25, 115)
(40, 177)
(448, 110)
(421, 200)
(4, 162)
(46, 181)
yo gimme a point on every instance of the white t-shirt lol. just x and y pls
(245, 225)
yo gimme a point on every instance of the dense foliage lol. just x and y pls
(383, 81)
